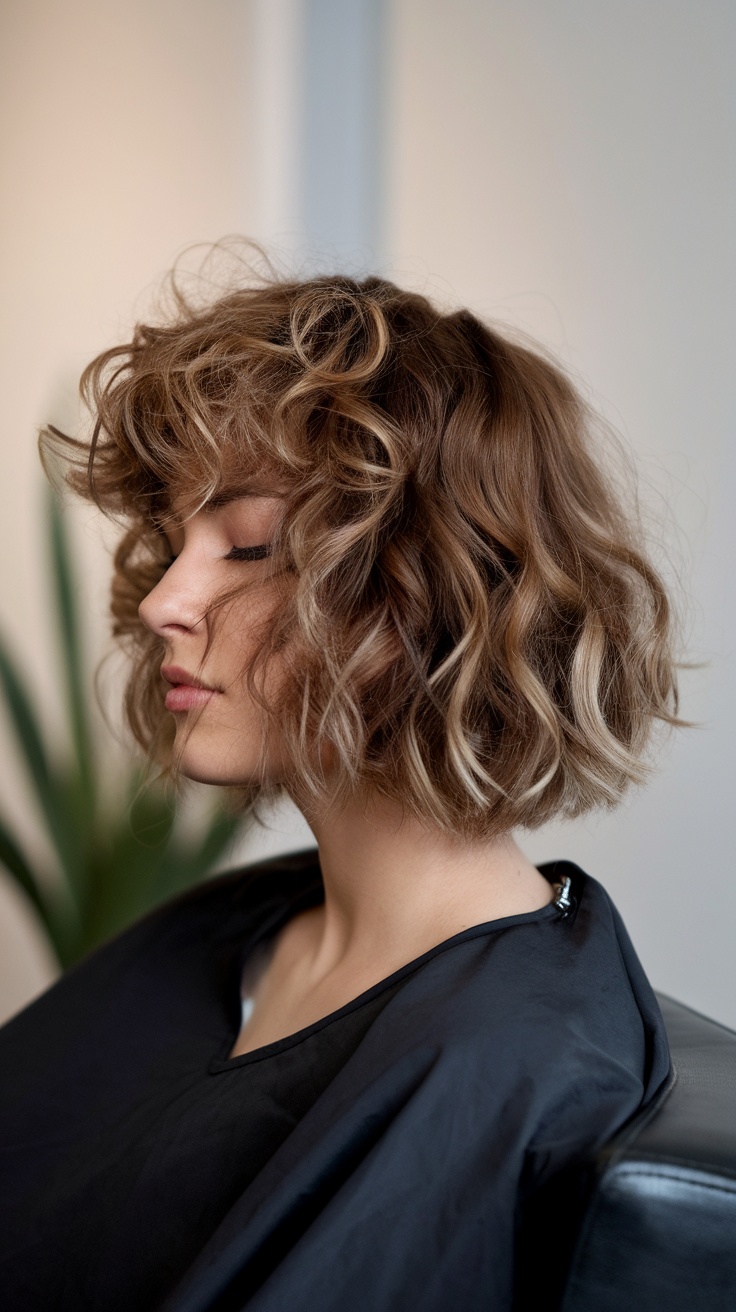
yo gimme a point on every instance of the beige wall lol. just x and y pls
(125, 137)
(568, 168)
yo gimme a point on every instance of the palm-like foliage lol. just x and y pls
(114, 863)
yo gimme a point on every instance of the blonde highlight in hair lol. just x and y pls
(467, 616)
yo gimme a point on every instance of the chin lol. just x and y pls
(226, 758)
(215, 767)
(206, 772)
(224, 767)
(201, 775)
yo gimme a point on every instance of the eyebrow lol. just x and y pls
(239, 493)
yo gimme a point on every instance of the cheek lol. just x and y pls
(239, 635)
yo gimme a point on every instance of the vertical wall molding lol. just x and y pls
(317, 98)
(276, 94)
(342, 176)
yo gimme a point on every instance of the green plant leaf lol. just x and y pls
(27, 731)
(51, 903)
(51, 787)
(71, 651)
(17, 865)
(182, 866)
(219, 833)
(123, 874)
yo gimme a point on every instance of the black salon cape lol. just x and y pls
(424, 1173)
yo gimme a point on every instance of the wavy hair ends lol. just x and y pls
(468, 620)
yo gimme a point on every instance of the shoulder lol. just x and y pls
(550, 1014)
(537, 970)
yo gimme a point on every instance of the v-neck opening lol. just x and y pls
(221, 1062)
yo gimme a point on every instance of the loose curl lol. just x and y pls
(467, 614)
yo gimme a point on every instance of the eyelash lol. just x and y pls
(248, 553)
(238, 553)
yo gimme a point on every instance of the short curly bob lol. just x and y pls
(469, 617)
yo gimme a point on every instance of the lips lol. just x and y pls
(186, 692)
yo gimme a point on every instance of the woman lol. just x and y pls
(371, 562)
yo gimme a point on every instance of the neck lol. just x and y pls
(395, 888)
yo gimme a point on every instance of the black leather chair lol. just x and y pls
(658, 1227)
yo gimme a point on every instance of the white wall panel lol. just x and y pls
(568, 169)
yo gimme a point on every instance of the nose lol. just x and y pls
(175, 604)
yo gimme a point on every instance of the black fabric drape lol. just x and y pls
(387, 1157)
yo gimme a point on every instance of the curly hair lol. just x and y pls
(470, 617)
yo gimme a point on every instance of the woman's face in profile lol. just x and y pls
(218, 722)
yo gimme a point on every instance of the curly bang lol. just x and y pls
(470, 620)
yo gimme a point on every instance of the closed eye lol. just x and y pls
(235, 553)
(248, 553)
